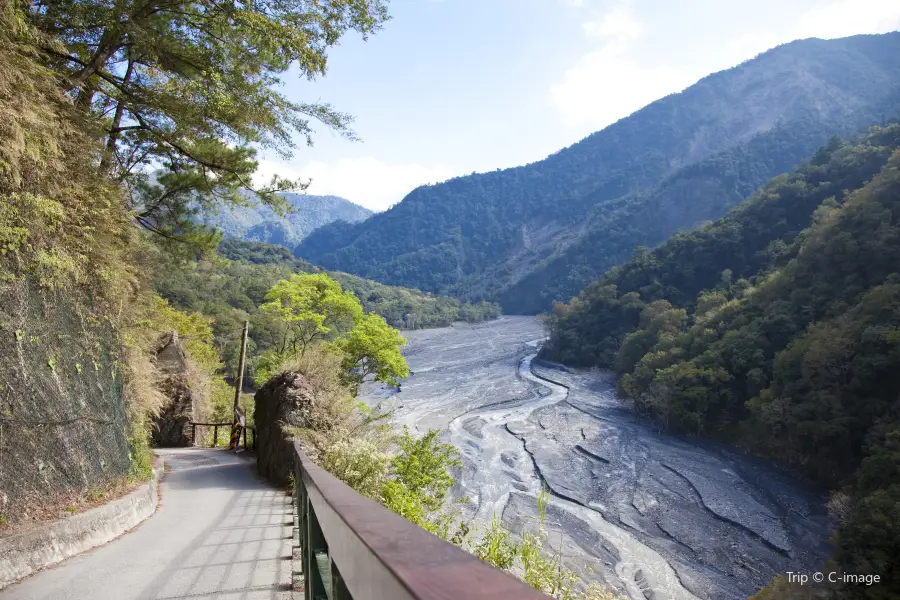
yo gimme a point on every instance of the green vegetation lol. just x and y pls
(776, 328)
(92, 96)
(189, 88)
(312, 310)
(413, 477)
(529, 235)
(66, 265)
(307, 308)
(231, 289)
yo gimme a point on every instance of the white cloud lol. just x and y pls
(610, 82)
(849, 17)
(366, 181)
(837, 19)
(606, 84)
(619, 22)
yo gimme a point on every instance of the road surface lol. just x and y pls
(219, 532)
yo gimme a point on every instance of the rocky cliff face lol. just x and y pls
(281, 403)
(173, 426)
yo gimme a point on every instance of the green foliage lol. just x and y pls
(313, 309)
(230, 291)
(529, 235)
(69, 278)
(497, 548)
(420, 480)
(372, 348)
(361, 464)
(194, 330)
(423, 467)
(786, 339)
(782, 589)
(413, 477)
(761, 234)
(191, 86)
(308, 308)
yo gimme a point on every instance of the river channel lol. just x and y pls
(655, 516)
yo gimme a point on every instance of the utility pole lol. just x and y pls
(239, 385)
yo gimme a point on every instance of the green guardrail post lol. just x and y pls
(300, 504)
(339, 589)
(318, 575)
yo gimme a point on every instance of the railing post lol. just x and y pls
(316, 552)
(339, 589)
(193, 434)
(300, 504)
(215, 435)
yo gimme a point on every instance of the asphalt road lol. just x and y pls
(219, 532)
(655, 516)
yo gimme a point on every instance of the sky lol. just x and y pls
(452, 87)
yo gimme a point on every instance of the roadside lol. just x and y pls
(78, 503)
(219, 532)
(30, 549)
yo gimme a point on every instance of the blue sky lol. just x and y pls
(449, 87)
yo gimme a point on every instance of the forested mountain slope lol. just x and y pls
(230, 290)
(260, 223)
(776, 328)
(530, 234)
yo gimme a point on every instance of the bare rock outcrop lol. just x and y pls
(282, 402)
(173, 425)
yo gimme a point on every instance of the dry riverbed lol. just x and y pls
(653, 515)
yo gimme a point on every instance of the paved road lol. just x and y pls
(219, 533)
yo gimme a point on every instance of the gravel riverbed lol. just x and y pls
(655, 516)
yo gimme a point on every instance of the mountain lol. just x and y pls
(777, 329)
(534, 234)
(262, 224)
(231, 291)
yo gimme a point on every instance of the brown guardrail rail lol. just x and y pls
(355, 549)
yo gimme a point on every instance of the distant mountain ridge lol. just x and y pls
(262, 224)
(537, 233)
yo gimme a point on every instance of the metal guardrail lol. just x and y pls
(355, 549)
(227, 427)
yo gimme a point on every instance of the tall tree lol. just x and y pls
(373, 348)
(187, 88)
(311, 308)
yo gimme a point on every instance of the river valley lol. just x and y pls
(655, 516)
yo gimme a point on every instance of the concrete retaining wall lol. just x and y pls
(28, 552)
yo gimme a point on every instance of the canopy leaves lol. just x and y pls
(188, 89)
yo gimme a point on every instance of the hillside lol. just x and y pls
(260, 223)
(775, 328)
(532, 234)
(231, 289)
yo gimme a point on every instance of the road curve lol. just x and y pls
(220, 532)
